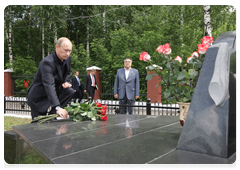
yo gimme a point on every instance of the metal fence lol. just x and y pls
(19, 106)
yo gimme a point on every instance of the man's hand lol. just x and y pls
(62, 113)
(136, 97)
(116, 96)
(66, 85)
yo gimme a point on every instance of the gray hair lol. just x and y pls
(129, 59)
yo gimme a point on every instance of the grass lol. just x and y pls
(10, 121)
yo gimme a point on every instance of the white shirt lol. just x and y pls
(127, 72)
(79, 83)
(91, 79)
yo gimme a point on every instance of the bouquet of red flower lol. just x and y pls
(80, 112)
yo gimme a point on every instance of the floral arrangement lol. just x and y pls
(179, 78)
(80, 112)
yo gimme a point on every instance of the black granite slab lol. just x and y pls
(122, 139)
(211, 129)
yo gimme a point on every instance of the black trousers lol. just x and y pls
(91, 92)
(64, 96)
(78, 94)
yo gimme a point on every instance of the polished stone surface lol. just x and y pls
(211, 129)
(122, 139)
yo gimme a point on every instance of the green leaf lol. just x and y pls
(84, 114)
(190, 72)
(84, 105)
(74, 104)
(89, 114)
(168, 65)
(93, 118)
(149, 77)
(76, 110)
(186, 74)
(195, 73)
(181, 75)
(166, 93)
(197, 65)
(178, 90)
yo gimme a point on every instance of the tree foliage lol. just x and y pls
(115, 31)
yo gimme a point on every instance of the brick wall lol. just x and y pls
(152, 92)
(8, 84)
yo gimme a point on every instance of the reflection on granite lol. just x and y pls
(122, 139)
(186, 157)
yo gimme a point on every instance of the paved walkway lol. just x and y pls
(18, 115)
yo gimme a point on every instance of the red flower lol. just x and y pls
(104, 107)
(178, 58)
(207, 40)
(25, 84)
(99, 105)
(144, 56)
(103, 111)
(202, 48)
(104, 118)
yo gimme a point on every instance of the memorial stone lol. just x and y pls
(210, 126)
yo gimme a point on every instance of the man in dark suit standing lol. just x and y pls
(51, 85)
(90, 84)
(77, 87)
(126, 86)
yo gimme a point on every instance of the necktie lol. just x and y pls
(93, 81)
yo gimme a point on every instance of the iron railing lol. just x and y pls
(18, 105)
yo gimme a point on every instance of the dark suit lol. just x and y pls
(88, 86)
(46, 89)
(75, 86)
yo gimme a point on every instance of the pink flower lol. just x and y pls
(160, 49)
(167, 49)
(195, 54)
(178, 58)
(144, 56)
(207, 40)
(189, 58)
(202, 48)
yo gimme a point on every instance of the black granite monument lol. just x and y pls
(210, 126)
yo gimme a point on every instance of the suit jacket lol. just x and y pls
(75, 84)
(130, 87)
(88, 82)
(42, 92)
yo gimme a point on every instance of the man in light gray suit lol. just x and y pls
(126, 86)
